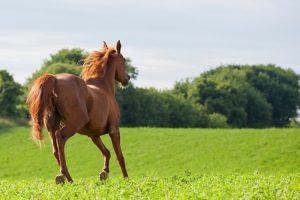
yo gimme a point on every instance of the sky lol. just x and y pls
(167, 40)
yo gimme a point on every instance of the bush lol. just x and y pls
(9, 95)
(294, 124)
(153, 108)
(249, 96)
(6, 122)
(217, 120)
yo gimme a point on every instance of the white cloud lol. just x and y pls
(167, 40)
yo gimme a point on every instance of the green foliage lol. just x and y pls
(7, 122)
(150, 107)
(9, 95)
(254, 186)
(217, 120)
(74, 56)
(56, 68)
(181, 88)
(294, 124)
(258, 109)
(249, 96)
(63, 61)
(281, 89)
(131, 70)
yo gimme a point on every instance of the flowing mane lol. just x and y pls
(95, 62)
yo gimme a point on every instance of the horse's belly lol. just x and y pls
(92, 132)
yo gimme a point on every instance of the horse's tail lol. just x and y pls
(40, 101)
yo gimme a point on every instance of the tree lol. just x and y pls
(281, 89)
(181, 88)
(9, 95)
(150, 107)
(223, 91)
(258, 109)
(248, 96)
(63, 61)
(74, 56)
(131, 70)
(217, 120)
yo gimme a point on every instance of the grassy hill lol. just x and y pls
(157, 152)
(162, 164)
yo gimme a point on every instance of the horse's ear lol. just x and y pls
(104, 46)
(106, 56)
(118, 47)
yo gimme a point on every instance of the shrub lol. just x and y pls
(217, 120)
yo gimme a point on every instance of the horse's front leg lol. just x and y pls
(106, 156)
(115, 138)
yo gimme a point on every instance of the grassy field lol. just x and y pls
(162, 163)
(188, 187)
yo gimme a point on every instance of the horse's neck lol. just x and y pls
(105, 82)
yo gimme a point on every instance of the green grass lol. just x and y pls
(188, 187)
(162, 163)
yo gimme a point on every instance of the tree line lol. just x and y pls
(254, 96)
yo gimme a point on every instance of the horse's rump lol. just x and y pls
(64, 94)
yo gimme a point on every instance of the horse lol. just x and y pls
(67, 104)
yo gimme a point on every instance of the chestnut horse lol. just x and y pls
(67, 104)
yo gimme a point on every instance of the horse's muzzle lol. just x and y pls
(126, 80)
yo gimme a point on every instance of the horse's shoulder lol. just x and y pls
(96, 92)
(94, 88)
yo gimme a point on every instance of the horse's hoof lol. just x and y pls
(60, 179)
(103, 176)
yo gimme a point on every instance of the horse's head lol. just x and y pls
(96, 64)
(121, 74)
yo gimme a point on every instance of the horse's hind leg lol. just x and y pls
(52, 124)
(62, 135)
(106, 156)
